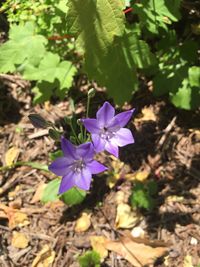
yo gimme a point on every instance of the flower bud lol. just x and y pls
(38, 121)
(91, 92)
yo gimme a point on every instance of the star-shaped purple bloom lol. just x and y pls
(107, 130)
(76, 166)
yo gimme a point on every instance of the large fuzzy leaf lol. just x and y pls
(24, 47)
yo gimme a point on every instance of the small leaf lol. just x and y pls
(126, 218)
(97, 243)
(90, 259)
(50, 192)
(38, 121)
(11, 155)
(73, 196)
(55, 155)
(54, 134)
(19, 240)
(44, 258)
(83, 223)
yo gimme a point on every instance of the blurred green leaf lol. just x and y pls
(50, 192)
(73, 196)
(90, 259)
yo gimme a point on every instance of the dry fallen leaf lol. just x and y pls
(174, 198)
(15, 216)
(44, 258)
(98, 244)
(116, 173)
(19, 240)
(138, 232)
(126, 217)
(83, 223)
(38, 193)
(139, 176)
(137, 253)
(11, 155)
(147, 115)
(188, 261)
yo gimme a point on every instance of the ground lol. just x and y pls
(166, 146)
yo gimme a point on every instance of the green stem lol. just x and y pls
(74, 133)
(34, 165)
(87, 114)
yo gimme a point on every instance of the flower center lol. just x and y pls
(106, 134)
(78, 165)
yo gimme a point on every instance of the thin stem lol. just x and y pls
(74, 133)
(87, 114)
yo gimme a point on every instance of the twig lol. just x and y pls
(166, 132)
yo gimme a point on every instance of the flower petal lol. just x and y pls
(68, 149)
(60, 166)
(99, 143)
(124, 117)
(112, 148)
(83, 179)
(123, 137)
(91, 125)
(86, 151)
(67, 183)
(96, 167)
(105, 114)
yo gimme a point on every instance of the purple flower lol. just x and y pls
(76, 166)
(107, 129)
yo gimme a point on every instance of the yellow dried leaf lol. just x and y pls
(126, 218)
(17, 218)
(11, 155)
(38, 193)
(139, 176)
(19, 240)
(188, 261)
(83, 223)
(174, 198)
(137, 253)
(147, 115)
(44, 258)
(98, 244)
(12, 194)
(116, 172)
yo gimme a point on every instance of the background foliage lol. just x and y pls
(50, 41)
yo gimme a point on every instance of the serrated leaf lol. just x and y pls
(95, 23)
(50, 69)
(24, 47)
(157, 13)
(117, 68)
(50, 192)
(73, 196)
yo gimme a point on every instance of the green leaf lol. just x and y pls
(73, 196)
(117, 68)
(186, 97)
(157, 13)
(43, 91)
(194, 76)
(50, 69)
(142, 195)
(95, 23)
(189, 51)
(90, 259)
(36, 165)
(55, 155)
(24, 47)
(50, 192)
